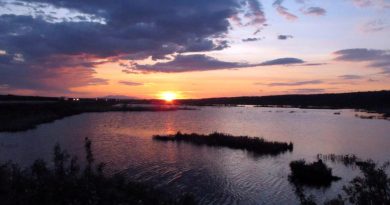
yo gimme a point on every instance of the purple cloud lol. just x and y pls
(129, 83)
(351, 77)
(255, 12)
(377, 3)
(282, 61)
(39, 50)
(314, 11)
(374, 57)
(298, 83)
(283, 11)
(250, 39)
(284, 37)
(375, 26)
(308, 90)
(201, 62)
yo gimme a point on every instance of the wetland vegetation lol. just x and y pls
(252, 144)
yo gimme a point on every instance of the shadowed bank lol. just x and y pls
(24, 116)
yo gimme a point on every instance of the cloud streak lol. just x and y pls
(372, 3)
(374, 57)
(351, 77)
(283, 11)
(255, 13)
(314, 11)
(282, 61)
(201, 62)
(375, 26)
(299, 83)
(250, 39)
(129, 83)
(308, 90)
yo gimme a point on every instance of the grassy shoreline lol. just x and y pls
(16, 117)
(251, 144)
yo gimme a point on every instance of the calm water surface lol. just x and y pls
(214, 175)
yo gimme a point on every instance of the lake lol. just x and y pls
(214, 175)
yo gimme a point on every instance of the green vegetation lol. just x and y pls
(253, 144)
(23, 116)
(66, 183)
(311, 174)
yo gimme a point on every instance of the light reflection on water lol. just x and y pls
(214, 175)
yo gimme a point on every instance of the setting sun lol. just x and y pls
(168, 96)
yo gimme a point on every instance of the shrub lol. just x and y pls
(312, 174)
(371, 188)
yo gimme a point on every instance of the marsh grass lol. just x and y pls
(346, 160)
(253, 144)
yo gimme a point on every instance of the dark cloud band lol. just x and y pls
(201, 62)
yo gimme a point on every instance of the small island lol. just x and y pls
(256, 145)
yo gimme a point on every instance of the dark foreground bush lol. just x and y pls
(371, 188)
(311, 174)
(66, 183)
(253, 144)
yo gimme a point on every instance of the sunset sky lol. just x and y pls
(194, 48)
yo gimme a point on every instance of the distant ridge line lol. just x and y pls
(364, 100)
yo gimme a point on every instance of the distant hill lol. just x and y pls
(27, 98)
(20, 98)
(120, 97)
(372, 99)
(365, 100)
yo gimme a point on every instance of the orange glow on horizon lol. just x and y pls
(168, 96)
(224, 83)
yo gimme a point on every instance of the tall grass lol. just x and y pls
(346, 160)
